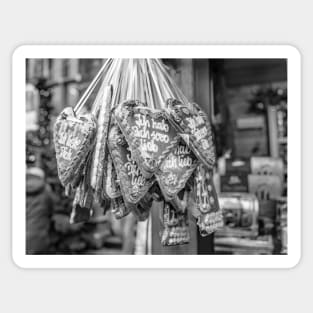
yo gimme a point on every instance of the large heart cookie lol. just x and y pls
(133, 184)
(175, 170)
(195, 129)
(149, 134)
(73, 139)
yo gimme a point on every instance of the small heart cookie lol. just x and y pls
(194, 128)
(175, 170)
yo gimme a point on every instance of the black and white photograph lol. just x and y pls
(156, 156)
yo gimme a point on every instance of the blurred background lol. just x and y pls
(246, 101)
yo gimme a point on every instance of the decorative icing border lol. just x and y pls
(208, 223)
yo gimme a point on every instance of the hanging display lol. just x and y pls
(142, 142)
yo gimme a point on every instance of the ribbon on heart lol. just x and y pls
(148, 133)
(194, 128)
(73, 140)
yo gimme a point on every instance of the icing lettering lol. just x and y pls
(141, 133)
(181, 150)
(160, 126)
(141, 121)
(148, 146)
(137, 180)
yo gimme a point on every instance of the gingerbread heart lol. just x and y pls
(175, 170)
(149, 134)
(209, 216)
(194, 127)
(133, 184)
(73, 139)
(175, 226)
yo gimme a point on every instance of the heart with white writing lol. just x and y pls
(132, 183)
(175, 170)
(148, 133)
(194, 128)
(175, 226)
(73, 139)
(209, 216)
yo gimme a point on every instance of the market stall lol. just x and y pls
(139, 161)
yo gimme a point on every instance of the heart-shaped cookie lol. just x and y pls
(194, 127)
(149, 134)
(175, 226)
(175, 170)
(73, 139)
(209, 216)
(133, 184)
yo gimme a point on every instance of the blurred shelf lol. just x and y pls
(230, 245)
